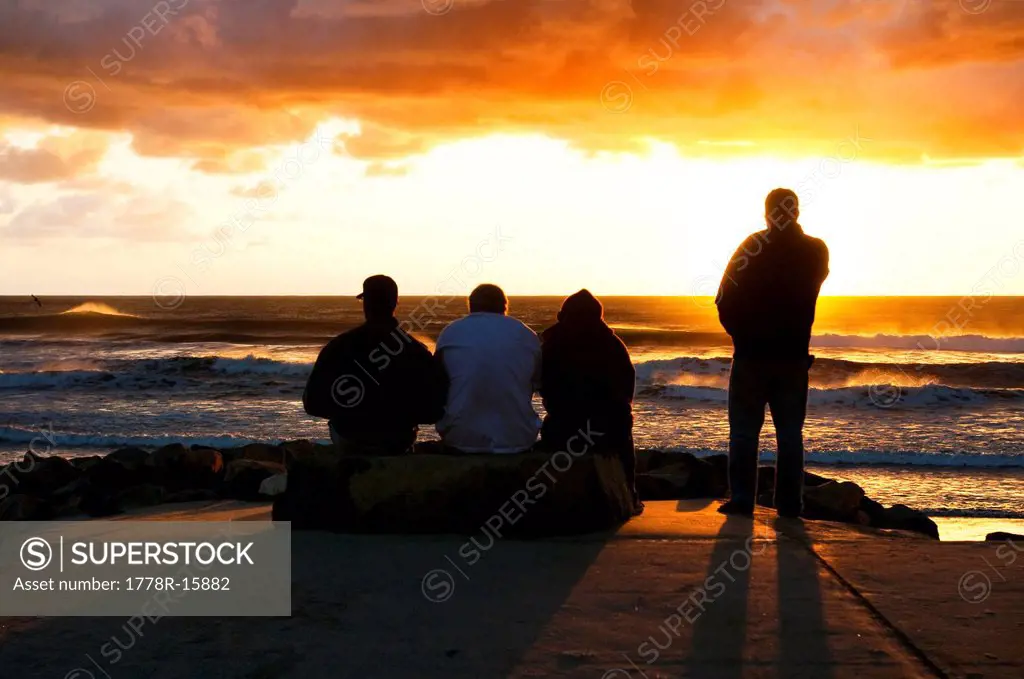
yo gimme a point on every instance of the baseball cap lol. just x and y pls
(379, 288)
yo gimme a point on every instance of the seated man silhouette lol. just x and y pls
(766, 302)
(375, 383)
(588, 384)
(493, 364)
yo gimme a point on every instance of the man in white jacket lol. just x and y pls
(493, 365)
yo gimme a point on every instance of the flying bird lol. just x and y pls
(36, 300)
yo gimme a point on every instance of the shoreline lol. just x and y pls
(97, 485)
(967, 523)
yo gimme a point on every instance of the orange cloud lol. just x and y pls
(207, 79)
(54, 158)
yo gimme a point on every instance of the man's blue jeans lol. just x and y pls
(781, 384)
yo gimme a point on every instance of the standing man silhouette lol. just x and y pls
(766, 302)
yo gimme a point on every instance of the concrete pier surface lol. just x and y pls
(681, 591)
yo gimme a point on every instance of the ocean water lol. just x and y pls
(920, 400)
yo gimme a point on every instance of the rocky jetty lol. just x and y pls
(526, 495)
(667, 476)
(41, 488)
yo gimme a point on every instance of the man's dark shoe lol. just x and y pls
(734, 508)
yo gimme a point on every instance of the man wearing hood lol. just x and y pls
(766, 302)
(588, 382)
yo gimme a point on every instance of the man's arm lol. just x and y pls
(823, 269)
(729, 298)
(317, 398)
(627, 374)
(538, 361)
(430, 387)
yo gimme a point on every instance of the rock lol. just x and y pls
(647, 460)
(243, 478)
(302, 448)
(1004, 537)
(179, 468)
(766, 479)
(23, 508)
(901, 517)
(66, 501)
(525, 495)
(671, 476)
(112, 476)
(261, 452)
(274, 486)
(148, 495)
(130, 458)
(97, 502)
(85, 463)
(195, 495)
(39, 476)
(874, 510)
(833, 501)
(720, 469)
(663, 484)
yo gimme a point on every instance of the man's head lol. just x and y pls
(489, 298)
(380, 297)
(781, 209)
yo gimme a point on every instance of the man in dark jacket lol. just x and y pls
(587, 382)
(766, 302)
(375, 383)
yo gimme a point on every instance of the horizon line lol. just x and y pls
(511, 295)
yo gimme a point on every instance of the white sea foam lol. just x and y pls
(982, 343)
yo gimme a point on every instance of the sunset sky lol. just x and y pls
(295, 146)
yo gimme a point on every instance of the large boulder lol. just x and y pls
(193, 495)
(274, 486)
(302, 449)
(261, 452)
(242, 478)
(148, 495)
(766, 479)
(130, 458)
(899, 517)
(670, 476)
(24, 508)
(833, 501)
(85, 463)
(39, 476)
(1004, 537)
(179, 468)
(525, 495)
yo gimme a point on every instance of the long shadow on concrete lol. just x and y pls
(362, 607)
(803, 634)
(719, 632)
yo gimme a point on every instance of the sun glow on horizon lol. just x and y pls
(658, 221)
